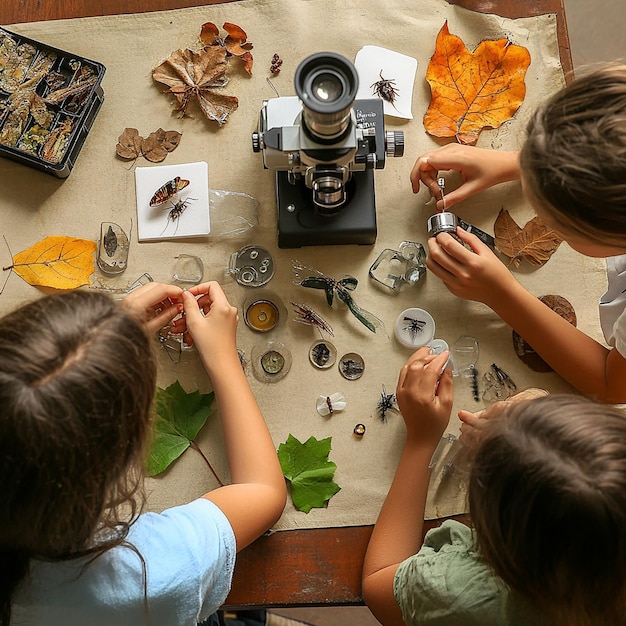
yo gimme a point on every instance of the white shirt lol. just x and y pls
(613, 304)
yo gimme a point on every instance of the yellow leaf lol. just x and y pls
(473, 90)
(57, 262)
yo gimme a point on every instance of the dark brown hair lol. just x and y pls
(547, 496)
(574, 159)
(77, 379)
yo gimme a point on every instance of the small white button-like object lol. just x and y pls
(414, 328)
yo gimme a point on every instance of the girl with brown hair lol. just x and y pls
(77, 381)
(547, 500)
(573, 171)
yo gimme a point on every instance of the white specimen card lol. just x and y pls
(373, 64)
(185, 209)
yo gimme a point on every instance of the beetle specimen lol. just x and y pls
(310, 277)
(178, 208)
(385, 89)
(387, 402)
(168, 191)
(306, 315)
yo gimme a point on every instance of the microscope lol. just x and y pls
(324, 146)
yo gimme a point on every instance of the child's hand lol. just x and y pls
(479, 168)
(475, 274)
(211, 321)
(473, 423)
(155, 304)
(425, 395)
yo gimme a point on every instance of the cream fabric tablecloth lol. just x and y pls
(101, 188)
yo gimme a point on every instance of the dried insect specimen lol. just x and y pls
(413, 326)
(327, 405)
(351, 366)
(168, 190)
(386, 403)
(33, 139)
(275, 64)
(16, 65)
(385, 89)
(58, 141)
(21, 104)
(235, 43)
(306, 315)
(359, 430)
(178, 208)
(78, 89)
(320, 354)
(314, 279)
(503, 378)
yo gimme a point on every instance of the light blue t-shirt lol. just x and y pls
(189, 552)
(448, 583)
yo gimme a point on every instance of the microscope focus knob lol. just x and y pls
(256, 142)
(394, 143)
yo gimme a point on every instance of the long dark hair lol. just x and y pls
(547, 496)
(77, 379)
(574, 158)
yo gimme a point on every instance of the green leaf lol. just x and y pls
(307, 467)
(180, 416)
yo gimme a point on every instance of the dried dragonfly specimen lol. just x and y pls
(306, 315)
(310, 277)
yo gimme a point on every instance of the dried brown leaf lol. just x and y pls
(535, 242)
(209, 34)
(194, 75)
(236, 41)
(129, 144)
(159, 143)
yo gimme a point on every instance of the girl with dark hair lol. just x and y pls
(547, 500)
(77, 381)
(573, 172)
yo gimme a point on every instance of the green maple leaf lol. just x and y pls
(180, 416)
(307, 467)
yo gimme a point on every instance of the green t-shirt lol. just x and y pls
(448, 583)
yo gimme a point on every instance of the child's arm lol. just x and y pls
(425, 402)
(479, 275)
(479, 169)
(256, 498)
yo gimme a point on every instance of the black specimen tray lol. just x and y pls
(30, 73)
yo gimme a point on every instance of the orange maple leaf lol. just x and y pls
(472, 91)
(57, 262)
